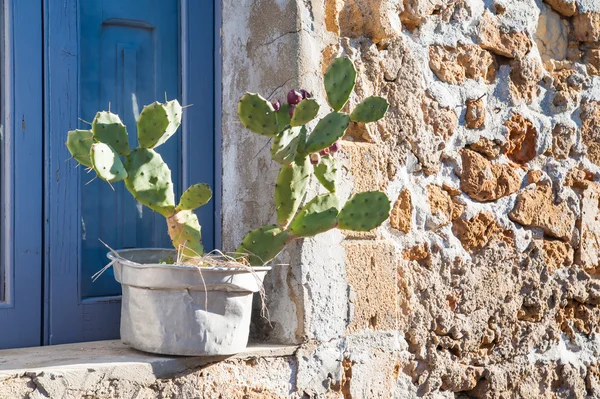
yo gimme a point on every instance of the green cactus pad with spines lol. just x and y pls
(301, 150)
(149, 180)
(290, 189)
(283, 117)
(108, 129)
(285, 145)
(305, 112)
(79, 143)
(106, 163)
(371, 109)
(185, 233)
(364, 212)
(258, 115)
(329, 130)
(263, 244)
(317, 216)
(158, 122)
(326, 172)
(194, 197)
(339, 82)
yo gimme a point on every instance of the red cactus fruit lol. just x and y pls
(294, 97)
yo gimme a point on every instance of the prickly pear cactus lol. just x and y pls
(285, 144)
(108, 129)
(194, 197)
(339, 82)
(364, 211)
(185, 233)
(305, 112)
(263, 244)
(328, 130)
(258, 115)
(326, 172)
(298, 151)
(149, 180)
(158, 122)
(145, 173)
(79, 143)
(290, 189)
(371, 109)
(106, 163)
(318, 216)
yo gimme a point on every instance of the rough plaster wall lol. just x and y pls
(259, 54)
(485, 281)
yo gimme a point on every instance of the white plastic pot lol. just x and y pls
(184, 310)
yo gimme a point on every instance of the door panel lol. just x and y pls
(129, 58)
(21, 173)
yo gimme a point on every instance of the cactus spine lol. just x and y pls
(295, 149)
(146, 175)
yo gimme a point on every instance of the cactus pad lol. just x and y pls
(305, 112)
(263, 244)
(329, 130)
(106, 163)
(185, 233)
(158, 122)
(326, 172)
(339, 82)
(79, 143)
(364, 211)
(108, 129)
(317, 216)
(283, 117)
(258, 115)
(292, 183)
(371, 109)
(194, 197)
(149, 180)
(285, 145)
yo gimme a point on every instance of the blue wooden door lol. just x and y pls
(123, 55)
(129, 57)
(21, 95)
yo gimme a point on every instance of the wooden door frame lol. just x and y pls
(84, 320)
(22, 148)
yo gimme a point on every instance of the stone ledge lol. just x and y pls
(115, 357)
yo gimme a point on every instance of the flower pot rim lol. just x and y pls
(110, 255)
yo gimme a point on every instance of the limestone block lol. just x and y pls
(487, 147)
(588, 254)
(501, 40)
(535, 207)
(440, 206)
(375, 19)
(475, 115)
(522, 136)
(566, 8)
(455, 65)
(483, 180)
(401, 215)
(477, 232)
(587, 27)
(590, 129)
(371, 275)
(551, 35)
(563, 138)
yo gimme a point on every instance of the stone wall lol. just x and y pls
(484, 283)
